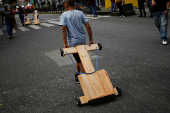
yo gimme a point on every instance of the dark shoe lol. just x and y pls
(76, 78)
(10, 37)
(144, 16)
(140, 16)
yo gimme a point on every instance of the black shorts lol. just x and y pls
(77, 58)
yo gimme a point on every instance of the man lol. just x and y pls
(141, 7)
(93, 7)
(8, 20)
(160, 9)
(112, 6)
(149, 2)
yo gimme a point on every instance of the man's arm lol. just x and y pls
(167, 8)
(89, 32)
(153, 3)
(64, 35)
(2, 18)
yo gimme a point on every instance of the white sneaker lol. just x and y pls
(164, 42)
(123, 16)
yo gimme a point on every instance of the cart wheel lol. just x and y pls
(100, 46)
(119, 91)
(61, 52)
(78, 101)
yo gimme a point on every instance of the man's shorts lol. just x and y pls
(77, 58)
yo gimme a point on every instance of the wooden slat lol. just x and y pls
(72, 50)
(83, 86)
(83, 100)
(96, 85)
(85, 59)
(86, 87)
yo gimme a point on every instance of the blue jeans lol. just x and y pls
(161, 22)
(93, 10)
(9, 27)
(21, 16)
(112, 6)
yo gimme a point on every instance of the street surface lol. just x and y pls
(34, 78)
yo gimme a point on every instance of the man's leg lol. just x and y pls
(92, 10)
(143, 7)
(157, 20)
(81, 67)
(95, 12)
(77, 67)
(163, 27)
(112, 6)
(140, 9)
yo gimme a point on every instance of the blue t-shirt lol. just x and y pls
(74, 21)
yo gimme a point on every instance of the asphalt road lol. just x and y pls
(35, 79)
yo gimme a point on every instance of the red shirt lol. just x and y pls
(13, 12)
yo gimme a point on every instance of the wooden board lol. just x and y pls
(72, 50)
(85, 59)
(96, 85)
(36, 21)
(28, 21)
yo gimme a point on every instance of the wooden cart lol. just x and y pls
(36, 21)
(95, 86)
(28, 21)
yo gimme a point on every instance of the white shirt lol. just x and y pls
(36, 12)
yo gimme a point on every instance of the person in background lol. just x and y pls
(141, 7)
(78, 7)
(160, 9)
(120, 6)
(21, 15)
(93, 7)
(13, 14)
(8, 20)
(112, 6)
(36, 13)
(149, 2)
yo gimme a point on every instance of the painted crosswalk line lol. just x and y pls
(47, 25)
(34, 26)
(13, 31)
(54, 22)
(1, 33)
(23, 29)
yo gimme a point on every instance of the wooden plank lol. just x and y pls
(72, 50)
(85, 59)
(96, 85)
(106, 83)
(86, 87)
(83, 100)
(83, 86)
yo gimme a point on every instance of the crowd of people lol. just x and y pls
(158, 10)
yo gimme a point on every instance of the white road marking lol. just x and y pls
(23, 29)
(1, 33)
(13, 31)
(34, 26)
(54, 19)
(54, 22)
(47, 25)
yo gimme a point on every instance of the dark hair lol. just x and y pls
(70, 2)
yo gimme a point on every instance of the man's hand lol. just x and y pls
(153, 4)
(91, 42)
(66, 46)
(166, 13)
